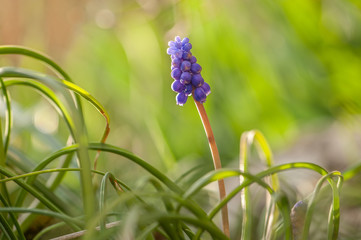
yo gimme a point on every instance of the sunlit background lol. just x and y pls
(291, 69)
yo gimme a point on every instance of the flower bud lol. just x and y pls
(188, 89)
(197, 80)
(186, 66)
(196, 68)
(187, 47)
(181, 99)
(176, 73)
(184, 41)
(206, 88)
(193, 59)
(187, 55)
(176, 62)
(177, 86)
(186, 77)
(199, 95)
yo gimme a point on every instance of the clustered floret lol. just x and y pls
(186, 72)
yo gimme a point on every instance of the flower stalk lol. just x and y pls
(188, 81)
(216, 162)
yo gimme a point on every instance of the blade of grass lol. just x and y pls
(270, 171)
(48, 94)
(224, 173)
(170, 208)
(80, 133)
(247, 140)
(97, 105)
(5, 228)
(8, 116)
(68, 220)
(3, 146)
(40, 234)
(267, 172)
(30, 189)
(11, 49)
(13, 219)
(102, 198)
(334, 219)
(311, 203)
(19, 50)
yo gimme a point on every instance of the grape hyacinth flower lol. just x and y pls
(188, 80)
(186, 72)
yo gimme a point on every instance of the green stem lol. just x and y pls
(216, 162)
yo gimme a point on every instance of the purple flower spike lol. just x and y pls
(186, 72)
(199, 95)
(181, 98)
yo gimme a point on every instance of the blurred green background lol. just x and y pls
(291, 69)
(287, 68)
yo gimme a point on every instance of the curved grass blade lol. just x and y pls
(8, 116)
(60, 176)
(270, 171)
(247, 140)
(5, 228)
(40, 234)
(170, 208)
(267, 172)
(311, 202)
(155, 172)
(116, 150)
(16, 158)
(351, 172)
(207, 226)
(334, 215)
(13, 219)
(149, 217)
(4, 145)
(50, 96)
(75, 89)
(11, 49)
(80, 132)
(30, 189)
(189, 172)
(135, 159)
(97, 105)
(102, 198)
(224, 173)
(68, 220)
